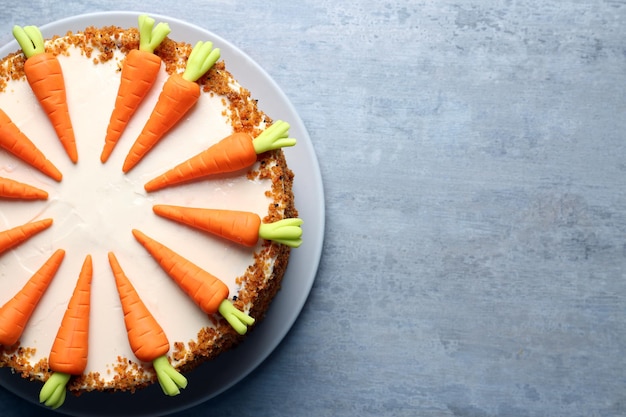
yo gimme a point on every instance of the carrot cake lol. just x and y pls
(146, 209)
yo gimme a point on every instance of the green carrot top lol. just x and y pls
(201, 59)
(30, 40)
(274, 137)
(53, 392)
(285, 231)
(236, 318)
(169, 379)
(150, 36)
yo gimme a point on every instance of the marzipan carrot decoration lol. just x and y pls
(44, 74)
(232, 153)
(146, 337)
(68, 355)
(241, 227)
(17, 311)
(16, 142)
(180, 92)
(140, 71)
(18, 190)
(207, 291)
(13, 237)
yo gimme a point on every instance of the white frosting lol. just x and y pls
(95, 207)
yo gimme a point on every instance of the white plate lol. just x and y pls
(216, 376)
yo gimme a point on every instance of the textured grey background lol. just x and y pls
(474, 166)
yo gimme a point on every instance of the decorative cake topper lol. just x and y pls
(68, 355)
(17, 311)
(241, 227)
(274, 137)
(207, 291)
(236, 318)
(13, 237)
(234, 152)
(18, 190)
(140, 71)
(44, 74)
(150, 37)
(201, 59)
(285, 231)
(179, 94)
(146, 337)
(15, 141)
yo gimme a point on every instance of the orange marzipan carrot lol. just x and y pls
(45, 77)
(17, 311)
(176, 98)
(71, 345)
(16, 142)
(241, 227)
(230, 154)
(147, 338)
(139, 73)
(18, 190)
(205, 290)
(13, 237)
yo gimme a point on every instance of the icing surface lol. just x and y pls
(96, 206)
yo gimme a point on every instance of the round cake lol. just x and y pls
(134, 244)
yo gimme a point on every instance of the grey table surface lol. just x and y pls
(474, 164)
